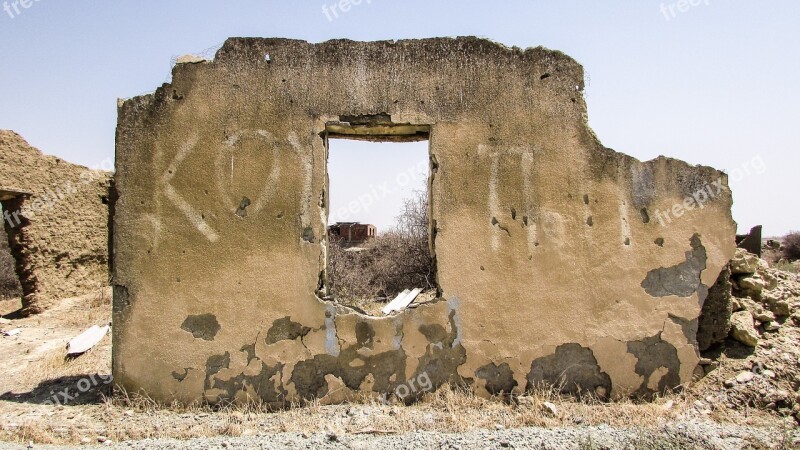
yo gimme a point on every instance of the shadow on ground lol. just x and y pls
(89, 389)
(731, 348)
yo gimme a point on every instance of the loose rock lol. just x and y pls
(550, 408)
(745, 377)
(743, 328)
(744, 262)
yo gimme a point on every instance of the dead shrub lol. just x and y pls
(396, 260)
(348, 278)
(9, 283)
(786, 266)
(791, 246)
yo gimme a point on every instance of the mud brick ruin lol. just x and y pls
(56, 217)
(552, 264)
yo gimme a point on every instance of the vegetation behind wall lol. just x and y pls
(9, 282)
(398, 259)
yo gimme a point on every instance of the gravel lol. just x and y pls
(689, 435)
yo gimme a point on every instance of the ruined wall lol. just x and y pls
(556, 259)
(56, 217)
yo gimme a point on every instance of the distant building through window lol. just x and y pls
(352, 233)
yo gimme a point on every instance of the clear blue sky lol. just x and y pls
(375, 195)
(715, 84)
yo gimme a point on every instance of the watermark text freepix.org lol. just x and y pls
(333, 10)
(417, 386)
(671, 10)
(710, 191)
(697, 200)
(378, 193)
(84, 385)
(16, 7)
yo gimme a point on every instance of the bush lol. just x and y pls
(396, 260)
(786, 266)
(791, 246)
(9, 283)
(348, 279)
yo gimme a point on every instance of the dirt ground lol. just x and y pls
(45, 399)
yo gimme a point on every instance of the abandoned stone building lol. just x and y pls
(551, 267)
(352, 233)
(56, 217)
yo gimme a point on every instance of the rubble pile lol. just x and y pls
(759, 365)
(763, 298)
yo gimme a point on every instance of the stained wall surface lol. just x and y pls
(558, 259)
(56, 218)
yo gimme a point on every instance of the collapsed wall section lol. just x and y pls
(56, 217)
(560, 261)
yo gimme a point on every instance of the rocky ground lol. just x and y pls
(748, 397)
(762, 367)
(677, 436)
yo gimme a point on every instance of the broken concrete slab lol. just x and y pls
(402, 301)
(390, 306)
(86, 340)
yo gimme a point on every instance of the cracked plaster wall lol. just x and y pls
(549, 253)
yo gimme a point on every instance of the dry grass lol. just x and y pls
(446, 411)
(133, 417)
(54, 365)
(99, 309)
(791, 246)
(51, 363)
(787, 266)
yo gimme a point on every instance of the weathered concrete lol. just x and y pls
(56, 217)
(556, 263)
(752, 241)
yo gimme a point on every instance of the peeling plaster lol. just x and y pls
(681, 280)
(203, 327)
(573, 368)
